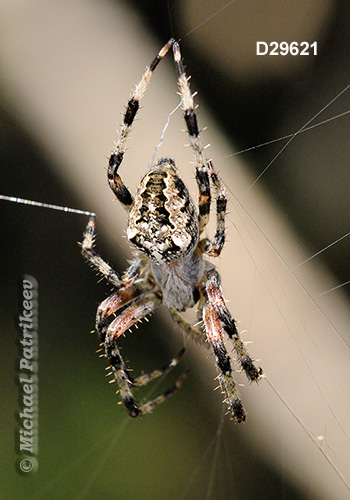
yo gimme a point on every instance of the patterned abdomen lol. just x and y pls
(163, 221)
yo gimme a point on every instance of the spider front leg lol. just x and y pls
(130, 316)
(137, 310)
(223, 362)
(217, 302)
(112, 304)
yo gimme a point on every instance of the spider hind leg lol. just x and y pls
(116, 183)
(205, 173)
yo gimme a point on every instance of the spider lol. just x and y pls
(169, 267)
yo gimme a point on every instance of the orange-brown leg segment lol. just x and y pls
(214, 333)
(137, 310)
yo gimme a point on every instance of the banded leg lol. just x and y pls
(87, 250)
(223, 362)
(114, 180)
(214, 248)
(150, 405)
(217, 301)
(139, 309)
(95, 260)
(145, 378)
(204, 168)
(112, 304)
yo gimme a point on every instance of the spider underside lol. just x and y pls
(169, 267)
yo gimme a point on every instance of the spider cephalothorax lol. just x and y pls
(170, 269)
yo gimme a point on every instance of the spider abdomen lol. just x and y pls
(163, 221)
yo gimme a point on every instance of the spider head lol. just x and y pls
(163, 221)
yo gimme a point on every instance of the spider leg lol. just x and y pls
(194, 331)
(214, 248)
(113, 303)
(114, 179)
(228, 385)
(137, 310)
(150, 405)
(204, 168)
(217, 302)
(102, 267)
(145, 378)
(95, 260)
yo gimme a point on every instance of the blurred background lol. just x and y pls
(66, 73)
